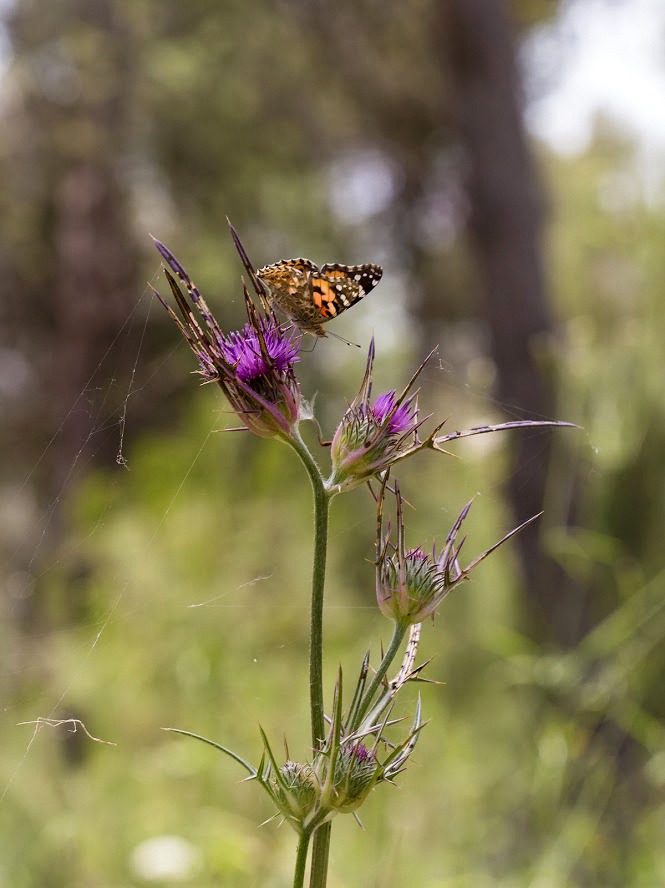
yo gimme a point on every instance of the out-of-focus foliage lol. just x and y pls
(177, 592)
(193, 612)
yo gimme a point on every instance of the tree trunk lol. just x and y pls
(75, 279)
(506, 226)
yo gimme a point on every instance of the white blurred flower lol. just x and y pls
(165, 857)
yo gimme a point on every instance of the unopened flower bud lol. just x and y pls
(409, 588)
(410, 585)
(297, 793)
(356, 772)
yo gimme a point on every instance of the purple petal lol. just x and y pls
(242, 350)
(401, 419)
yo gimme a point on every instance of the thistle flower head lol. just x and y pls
(410, 584)
(253, 366)
(372, 436)
(305, 793)
(295, 792)
(356, 772)
(397, 418)
(343, 770)
(242, 349)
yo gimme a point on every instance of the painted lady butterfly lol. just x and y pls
(310, 295)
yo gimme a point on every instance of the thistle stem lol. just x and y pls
(399, 631)
(322, 497)
(319, 872)
(301, 860)
(321, 509)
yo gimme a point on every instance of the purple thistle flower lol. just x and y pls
(360, 752)
(398, 418)
(417, 555)
(242, 349)
(371, 437)
(253, 366)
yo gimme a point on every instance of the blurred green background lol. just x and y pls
(155, 573)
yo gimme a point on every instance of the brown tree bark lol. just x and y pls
(506, 226)
(75, 272)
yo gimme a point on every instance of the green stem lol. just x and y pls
(321, 510)
(322, 497)
(319, 872)
(399, 631)
(301, 860)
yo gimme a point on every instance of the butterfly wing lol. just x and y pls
(363, 277)
(284, 266)
(338, 287)
(311, 295)
(286, 281)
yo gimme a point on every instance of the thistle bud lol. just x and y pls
(356, 772)
(296, 794)
(371, 436)
(410, 585)
(407, 587)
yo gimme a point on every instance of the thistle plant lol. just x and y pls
(252, 366)
(354, 746)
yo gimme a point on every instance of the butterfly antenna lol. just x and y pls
(342, 339)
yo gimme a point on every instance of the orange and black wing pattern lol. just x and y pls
(311, 295)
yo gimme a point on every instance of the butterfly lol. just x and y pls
(310, 295)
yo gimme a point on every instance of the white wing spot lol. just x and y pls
(357, 277)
